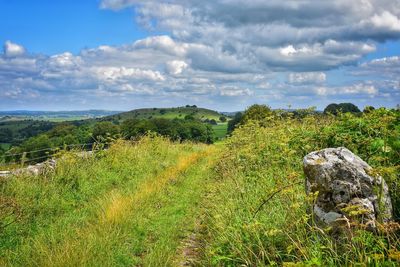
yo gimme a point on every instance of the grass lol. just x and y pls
(129, 206)
(264, 164)
(169, 113)
(136, 203)
(220, 130)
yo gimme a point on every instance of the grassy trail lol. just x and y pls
(142, 225)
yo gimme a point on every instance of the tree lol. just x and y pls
(6, 135)
(189, 117)
(232, 124)
(332, 109)
(342, 107)
(368, 109)
(349, 107)
(105, 129)
(62, 130)
(128, 127)
(37, 148)
(145, 126)
(213, 122)
(256, 113)
(222, 119)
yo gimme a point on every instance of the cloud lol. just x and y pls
(235, 91)
(176, 67)
(386, 67)
(273, 35)
(354, 89)
(307, 77)
(223, 50)
(13, 49)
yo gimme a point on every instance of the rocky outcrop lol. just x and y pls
(347, 191)
(35, 170)
(41, 168)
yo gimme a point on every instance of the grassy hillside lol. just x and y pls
(129, 206)
(241, 202)
(168, 113)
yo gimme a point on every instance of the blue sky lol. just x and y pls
(51, 27)
(225, 55)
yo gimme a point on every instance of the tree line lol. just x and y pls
(69, 135)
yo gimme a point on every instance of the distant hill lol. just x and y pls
(167, 113)
(17, 115)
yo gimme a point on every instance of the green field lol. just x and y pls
(44, 118)
(220, 130)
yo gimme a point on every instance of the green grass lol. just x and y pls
(260, 163)
(130, 205)
(136, 203)
(220, 130)
(168, 113)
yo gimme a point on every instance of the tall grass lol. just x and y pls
(126, 206)
(136, 203)
(258, 213)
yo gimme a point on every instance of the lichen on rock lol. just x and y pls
(346, 190)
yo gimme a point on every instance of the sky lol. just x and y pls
(219, 54)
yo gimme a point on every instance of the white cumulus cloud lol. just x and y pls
(12, 49)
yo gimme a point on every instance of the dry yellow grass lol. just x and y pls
(116, 209)
(120, 206)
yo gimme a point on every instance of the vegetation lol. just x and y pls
(342, 107)
(264, 164)
(167, 113)
(232, 124)
(153, 201)
(220, 130)
(188, 129)
(182, 123)
(54, 116)
(127, 206)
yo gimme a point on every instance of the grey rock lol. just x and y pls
(346, 189)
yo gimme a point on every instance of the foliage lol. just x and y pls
(16, 132)
(342, 107)
(232, 124)
(262, 162)
(166, 113)
(136, 203)
(258, 113)
(188, 129)
(104, 129)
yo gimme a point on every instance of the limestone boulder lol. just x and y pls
(346, 188)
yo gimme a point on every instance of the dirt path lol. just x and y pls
(191, 246)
